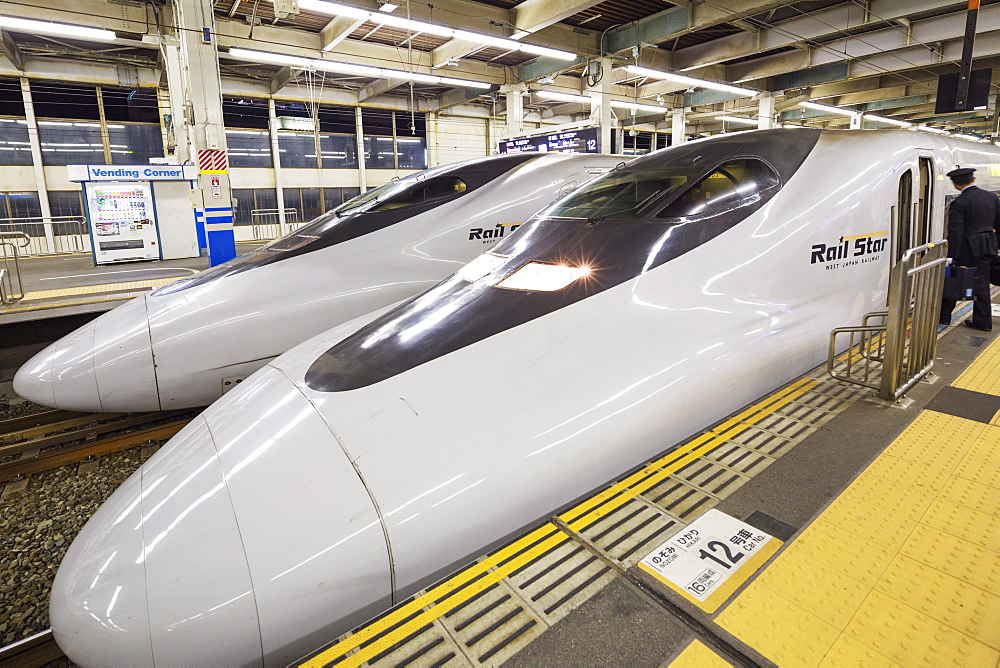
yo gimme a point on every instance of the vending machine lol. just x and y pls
(139, 212)
(122, 222)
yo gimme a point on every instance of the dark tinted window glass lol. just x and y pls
(412, 152)
(14, 146)
(621, 193)
(133, 144)
(244, 205)
(249, 148)
(124, 104)
(445, 186)
(377, 122)
(297, 149)
(337, 119)
(59, 100)
(727, 186)
(338, 151)
(71, 143)
(379, 153)
(240, 112)
(11, 100)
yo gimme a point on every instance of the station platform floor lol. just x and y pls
(55, 285)
(877, 534)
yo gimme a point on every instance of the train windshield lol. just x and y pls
(622, 193)
(374, 210)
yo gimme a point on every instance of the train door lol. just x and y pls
(902, 236)
(924, 207)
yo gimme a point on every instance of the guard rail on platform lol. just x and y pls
(267, 223)
(11, 244)
(893, 349)
(50, 236)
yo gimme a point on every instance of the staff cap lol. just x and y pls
(960, 173)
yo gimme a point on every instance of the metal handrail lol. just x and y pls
(902, 349)
(49, 235)
(11, 266)
(272, 228)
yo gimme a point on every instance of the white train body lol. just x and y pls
(364, 464)
(187, 343)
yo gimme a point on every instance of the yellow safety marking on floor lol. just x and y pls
(902, 634)
(41, 307)
(898, 585)
(618, 494)
(699, 655)
(968, 609)
(96, 289)
(972, 494)
(782, 631)
(849, 652)
(981, 375)
(489, 571)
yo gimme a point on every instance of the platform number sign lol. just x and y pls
(710, 558)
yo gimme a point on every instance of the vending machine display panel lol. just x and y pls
(122, 222)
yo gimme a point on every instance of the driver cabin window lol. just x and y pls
(728, 186)
(432, 189)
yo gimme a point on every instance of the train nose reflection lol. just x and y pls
(106, 365)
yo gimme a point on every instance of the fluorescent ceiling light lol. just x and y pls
(337, 9)
(736, 119)
(563, 97)
(631, 106)
(827, 108)
(349, 68)
(58, 29)
(583, 99)
(891, 121)
(689, 81)
(387, 7)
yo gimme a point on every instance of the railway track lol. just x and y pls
(33, 651)
(65, 438)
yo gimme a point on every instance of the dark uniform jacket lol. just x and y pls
(972, 219)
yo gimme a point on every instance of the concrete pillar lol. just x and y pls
(196, 102)
(600, 100)
(765, 112)
(276, 160)
(515, 111)
(856, 121)
(432, 139)
(678, 127)
(36, 160)
(360, 133)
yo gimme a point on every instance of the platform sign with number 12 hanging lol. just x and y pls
(709, 559)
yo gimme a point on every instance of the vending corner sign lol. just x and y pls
(709, 559)
(132, 172)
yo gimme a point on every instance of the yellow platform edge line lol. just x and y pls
(101, 287)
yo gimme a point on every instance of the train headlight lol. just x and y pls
(481, 266)
(543, 277)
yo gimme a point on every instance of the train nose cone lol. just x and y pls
(106, 365)
(98, 607)
(159, 574)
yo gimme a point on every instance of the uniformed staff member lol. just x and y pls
(972, 242)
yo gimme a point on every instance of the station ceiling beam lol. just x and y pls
(10, 49)
(532, 15)
(892, 44)
(821, 25)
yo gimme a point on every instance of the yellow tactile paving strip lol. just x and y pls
(699, 655)
(97, 289)
(982, 375)
(904, 567)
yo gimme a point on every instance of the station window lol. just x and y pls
(19, 205)
(728, 186)
(134, 143)
(15, 149)
(249, 148)
(338, 151)
(135, 105)
(305, 202)
(11, 98)
(250, 201)
(71, 142)
(65, 203)
(380, 153)
(243, 112)
(297, 149)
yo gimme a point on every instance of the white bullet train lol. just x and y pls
(366, 463)
(187, 343)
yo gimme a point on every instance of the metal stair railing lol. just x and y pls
(11, 289)
(894, 354)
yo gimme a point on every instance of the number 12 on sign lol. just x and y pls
(709, 559)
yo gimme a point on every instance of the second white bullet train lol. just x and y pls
(185, 344)
(366, 463)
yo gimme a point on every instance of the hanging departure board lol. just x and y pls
(575, 141)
